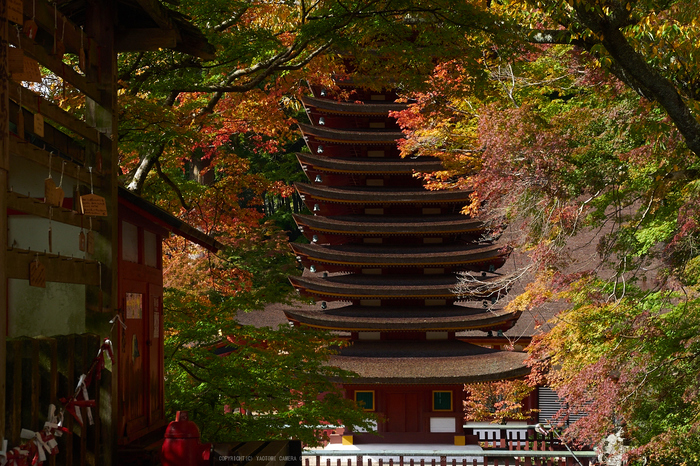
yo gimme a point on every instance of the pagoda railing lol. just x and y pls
(449, 458)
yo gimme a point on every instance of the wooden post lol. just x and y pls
(4, 169)
(102, 114)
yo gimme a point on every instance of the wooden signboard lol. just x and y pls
(53, 194)
(14, 11)
(93, 205)
(39, 125)
(30, 71)
(15, 61)
(37, 274)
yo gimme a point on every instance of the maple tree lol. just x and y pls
(585, 132)
(253, 383)
(206, 139)
(497, 402)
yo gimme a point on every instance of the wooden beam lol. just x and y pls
(40, 156)
(156, 11)
(30, 101)
(37, 52)
(134, 40)
(33, 206)
(59, 269)
(46, 15)
(100, 23)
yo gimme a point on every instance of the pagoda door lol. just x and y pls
(403, 412)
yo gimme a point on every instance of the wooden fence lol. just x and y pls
(40, 371)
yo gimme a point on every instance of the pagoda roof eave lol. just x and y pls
(357, 286)
(379, 195)
(359, 225)
(350, 136)
(387, 362)
(400, 166)
(352, 108)
(435, 256)
(441, 318)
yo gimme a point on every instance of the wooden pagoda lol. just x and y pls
(383, 264)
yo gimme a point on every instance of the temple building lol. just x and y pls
(383, 264)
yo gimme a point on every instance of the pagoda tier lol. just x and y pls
(344, 144)
(455, 318)
(362, 229)
(357, 172)
(390, 260)
(430, 362)
(333, 114)
(328, 201)
(395, 290)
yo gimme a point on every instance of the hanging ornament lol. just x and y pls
(92, 204)
(53, 195)
(60, 194)
(38, 119)
(37, 273)
(30, 27)
(59, 49)
(76, 193)
(98, 156)
(90, 240)
(50, 231)
(20, 117)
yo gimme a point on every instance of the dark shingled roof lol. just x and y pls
(352, 108)
(405, 362)
(381, 196)
(401, 318)
(370, 225)
(322, 133)
(435, 256)
(373, 166)
(358, 286)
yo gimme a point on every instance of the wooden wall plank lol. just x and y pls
(59, 269)
(40, 156)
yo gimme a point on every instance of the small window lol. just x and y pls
(150, 249)
(442, 400)
(365, 399)
(130, 242)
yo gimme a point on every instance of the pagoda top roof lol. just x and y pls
(367, 224)
(401, 318)
(352, 108)
(372, 195)
(361, 165)
(411, 362)
(433, 255)
(341, 136)
(359, 286)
